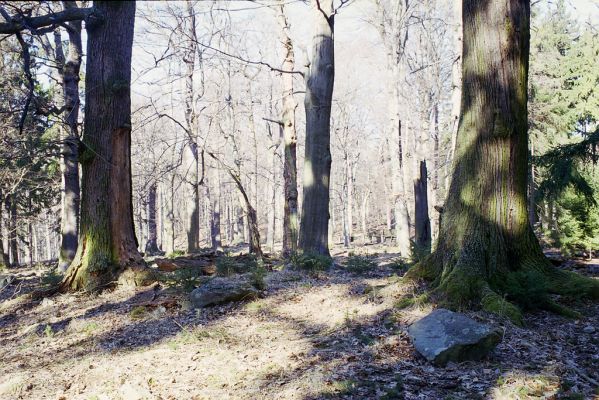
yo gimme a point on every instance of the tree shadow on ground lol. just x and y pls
(363, 357)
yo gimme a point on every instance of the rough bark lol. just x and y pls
(68, 70)
(193, 206)
(317, 164)
(422, 223)
(290, 218)
(487, 251)
(456, 87)
(107, 242)
(152, 243)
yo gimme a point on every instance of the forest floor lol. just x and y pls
(333, 335)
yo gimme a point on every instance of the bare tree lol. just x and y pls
(317, 164)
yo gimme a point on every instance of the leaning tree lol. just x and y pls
(487, 253)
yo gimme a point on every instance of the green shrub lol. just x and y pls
(227, 265)
(185, 279)
(417, 252)
(138, 312)
(51, 278)
(311, 262)
(359, 264)
(175, 254)
(258, 275)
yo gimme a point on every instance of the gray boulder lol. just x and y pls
(223, 290)
(444, 336)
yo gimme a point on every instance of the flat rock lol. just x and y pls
(444, 336)
(223, 290)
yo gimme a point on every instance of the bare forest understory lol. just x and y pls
(334, 334)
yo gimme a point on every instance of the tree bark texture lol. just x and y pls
(152, 243)
(191, 119)
(290, 217)
(107, 242)
(317, 163)
(487, 251)
(68, 70)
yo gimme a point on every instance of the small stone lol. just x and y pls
(589, 329)
(444, 336)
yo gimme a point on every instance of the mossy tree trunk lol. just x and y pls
(107, 242)
(486, 249)
(314, 229)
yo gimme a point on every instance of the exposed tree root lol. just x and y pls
(506, 292)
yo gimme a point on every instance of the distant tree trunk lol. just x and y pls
(272, 199)
(215, 212)
(193, 206)
(4, 260)
(13, 243)
(317, 164)
(152, 243)
(422, 223)
(435, 173)
(350, 199)
(400, 206)
(486, 246)
(364, 216)
(69, 74)
(107, 242)
(170, 217)
(193, 210)
(48, 239)
(532, 204)
(290, 219)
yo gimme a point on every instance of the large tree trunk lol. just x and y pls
(317, 164)
(487, 251)
(193, 206)
(69, 74)
(290, 220)
(107, 242)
